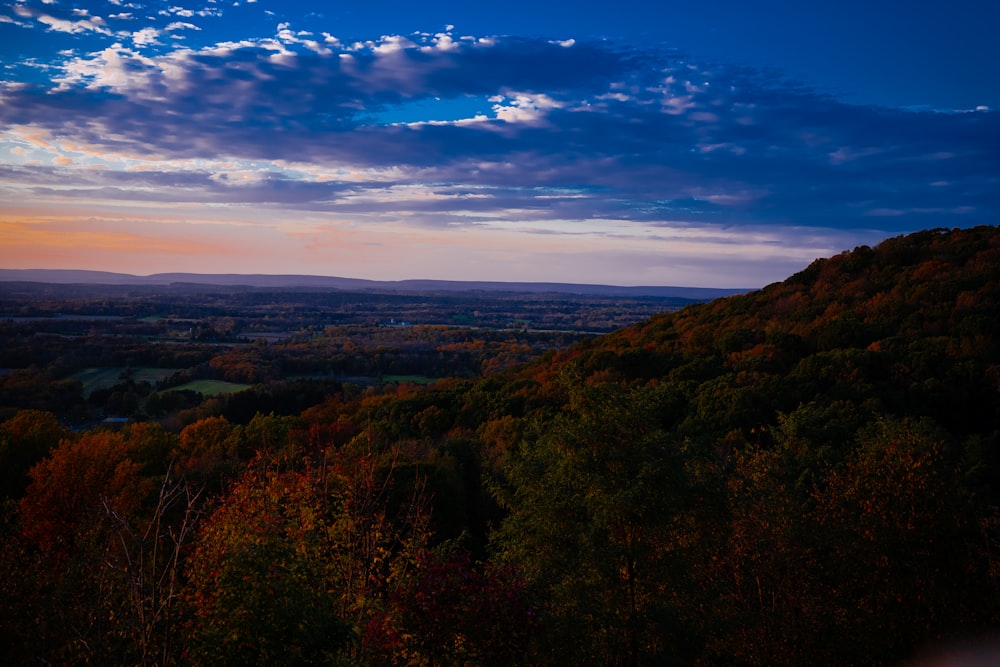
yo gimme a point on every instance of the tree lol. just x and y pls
(765, 603)
(25, 439)
(296, 564)
(70, 487)
(594, 505)
(259, 594)
(446, 610)
(207, 451)
(64, 525)
(895, 518)
(150, 560)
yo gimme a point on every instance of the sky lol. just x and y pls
(716, 143)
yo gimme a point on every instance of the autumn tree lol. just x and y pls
(297, 562)
(25, 439)
(64, 521)
(896, 522)
(150, 558)
(447, 610)
(258, 591)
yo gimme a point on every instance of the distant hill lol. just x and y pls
(62, 276)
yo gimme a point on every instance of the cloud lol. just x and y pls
(184, 12)
(524, 107)
(145, 36)
(569, 131)
(180, 25)
(94, 24)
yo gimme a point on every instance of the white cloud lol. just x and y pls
(181, 25)
(287, 36)
(240, 177)
(115, 68)
(145, 37)
(442, 42)
(95, 24)
(523, 107)
(848, 154)
(392, 44)
(468, 122)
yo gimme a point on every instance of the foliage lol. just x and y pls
(807, 474)
(594, 510)
(25, 439)
(254, 593)
(446, 610)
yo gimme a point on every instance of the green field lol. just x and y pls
(105, 377)
(411, 379)
(211, 387)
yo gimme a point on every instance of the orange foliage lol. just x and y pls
(76, 480)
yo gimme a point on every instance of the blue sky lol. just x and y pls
(717, 143)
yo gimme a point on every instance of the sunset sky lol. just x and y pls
(714, 143)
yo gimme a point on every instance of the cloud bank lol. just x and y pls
(451, 132)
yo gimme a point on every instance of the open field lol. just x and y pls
(97, 378)
(411, 379)
(211, 387)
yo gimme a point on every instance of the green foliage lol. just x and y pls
(259, 597)
(593, 512)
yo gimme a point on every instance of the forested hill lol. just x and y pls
(930, 283)
(808, 474)
(912, 326)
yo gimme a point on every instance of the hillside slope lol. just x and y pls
(912, 325)
(807, 474)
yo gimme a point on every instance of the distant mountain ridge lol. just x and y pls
(77, 277)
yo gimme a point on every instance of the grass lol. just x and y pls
(105, 377)
(211, 387)
(412, 379)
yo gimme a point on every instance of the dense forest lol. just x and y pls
(806, 474)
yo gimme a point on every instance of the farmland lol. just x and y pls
(179, 352)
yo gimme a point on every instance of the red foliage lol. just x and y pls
(74, 482)
(448, 610)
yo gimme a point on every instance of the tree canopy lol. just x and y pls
(806, 474)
